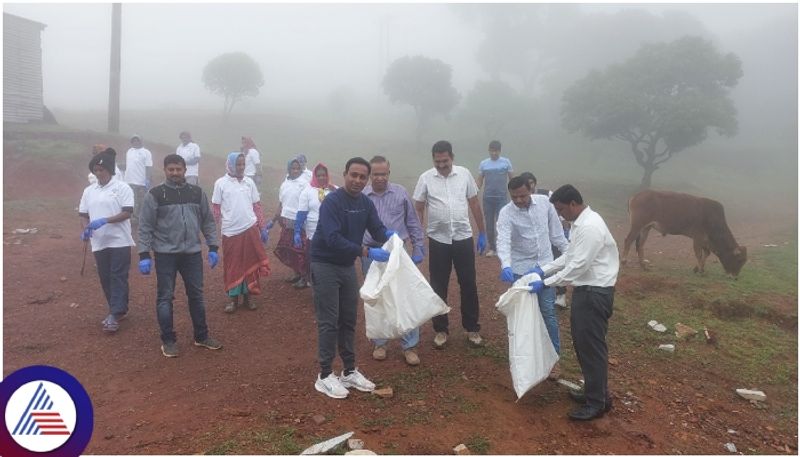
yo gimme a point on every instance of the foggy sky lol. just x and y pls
(304, 51)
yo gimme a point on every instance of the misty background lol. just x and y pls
(323, 67)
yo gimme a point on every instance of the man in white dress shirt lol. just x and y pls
(190, 152)
(527, 229)
(449, 193)
(590, 264)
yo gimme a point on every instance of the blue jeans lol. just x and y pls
(547, 306)
(190, 266)
(410, 339)
(491, 210)
(113, 265)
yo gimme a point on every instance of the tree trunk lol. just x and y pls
(647, 179)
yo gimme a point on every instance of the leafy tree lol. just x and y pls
(493, 106)
(423, 83)
(233, 75)
(661, 101)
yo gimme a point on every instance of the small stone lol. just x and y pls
(63, 278)
(461, 449)
(109, 436)
(732, 431)
(684, 331)
(385, 392)
(73, 305)
(360, 452)
(730, 447)
(652, 323)
(660, 328)
(667, 347)
(318, 419)
(753, 395)
(355, 444)
(613, 361)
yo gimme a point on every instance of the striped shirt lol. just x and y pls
(525, 235)
(446, 199)
(397, 213)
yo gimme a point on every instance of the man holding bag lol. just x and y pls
(591, 264)
(396, 211)
(527, 228)
(344, 216)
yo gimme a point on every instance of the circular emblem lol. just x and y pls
(46, 411)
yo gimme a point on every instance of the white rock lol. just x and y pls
(660, 328)
(730, 447)
(667, 347)
(325, 446)
(652, 324)
(355, 444)
(461, 449)
(748, 394)
(360, 452)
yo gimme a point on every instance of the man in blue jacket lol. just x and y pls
(344, 216)
(172, 217)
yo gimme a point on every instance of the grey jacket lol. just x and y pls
(172, 218)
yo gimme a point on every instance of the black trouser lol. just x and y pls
(112, 268)
(591, 309)
(440, 262)
(336, 304)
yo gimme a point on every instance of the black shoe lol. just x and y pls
(586, 413)
(580, 397)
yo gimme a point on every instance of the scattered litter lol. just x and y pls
(667, 347)
(355, 444)
(63, 278)
(461, 449)
(327, 445)
(26, 230)
(770, 245)
(569, 384)
(385, 392)
(730, 447)
(755, 395)
(684, 331)
(360, 452)
(732, 431)
(656, 326)
(73, 305)
(710, 337)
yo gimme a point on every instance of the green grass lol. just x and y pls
(280, 440)
(478, 444)
(224, 448)
(48, 149)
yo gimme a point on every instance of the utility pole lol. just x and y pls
(113, 85)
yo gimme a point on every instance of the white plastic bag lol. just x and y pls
(397, 298)
(530, 352)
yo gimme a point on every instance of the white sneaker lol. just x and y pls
(490, 253)
(331, 386)
(357, 380)
(561, 300)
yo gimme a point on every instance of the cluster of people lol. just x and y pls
(325, 228)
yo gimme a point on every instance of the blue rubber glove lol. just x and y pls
(297, 241)
(536, 286)
(481, 243)
(378, 254)
(536, 269)
(507, 275)
(213, 259)
(417, 259)
(264, 235)
(144, 266)
(389, 233)
(86, 234)
(97, 223)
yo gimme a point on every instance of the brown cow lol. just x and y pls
(672, 213)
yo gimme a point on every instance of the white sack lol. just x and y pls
(397, 298)
(530, 352)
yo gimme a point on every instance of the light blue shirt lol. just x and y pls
(495, 176)
(525, 236)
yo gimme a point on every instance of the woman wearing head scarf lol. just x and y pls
(252, 160)
(308, 214)
(106, 206)
(289, 196)
(237, 209)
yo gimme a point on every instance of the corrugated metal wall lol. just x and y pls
(22, 69)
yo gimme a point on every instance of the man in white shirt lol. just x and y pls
(449, 193)
(190, 152)
(591, 264)
(138, 173)
(252, 160)
(527, 230)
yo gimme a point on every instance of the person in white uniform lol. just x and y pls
(190, 152)
(138, 172)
